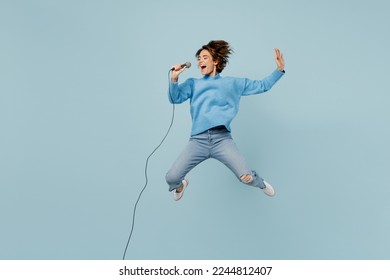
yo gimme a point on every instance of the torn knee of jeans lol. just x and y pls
(247, 178)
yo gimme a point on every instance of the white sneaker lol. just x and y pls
(268, 190)
(178, 195)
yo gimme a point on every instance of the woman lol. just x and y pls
(214, 103)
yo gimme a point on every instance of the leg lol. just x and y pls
(194, 153)
(227, 152)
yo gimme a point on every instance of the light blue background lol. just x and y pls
(83, 102)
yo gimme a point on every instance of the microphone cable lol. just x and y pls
(146, 167)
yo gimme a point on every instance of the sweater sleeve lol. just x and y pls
(178, 93)
(259, 86)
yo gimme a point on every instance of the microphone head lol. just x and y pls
(188, 64)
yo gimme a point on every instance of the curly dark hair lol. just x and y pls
(219, 51)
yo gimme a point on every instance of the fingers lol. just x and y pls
(277, 52)
(279, 59)
(178, 67)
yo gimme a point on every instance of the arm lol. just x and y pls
(178, 93)
(259, 86)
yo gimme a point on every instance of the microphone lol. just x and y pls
(187, 64)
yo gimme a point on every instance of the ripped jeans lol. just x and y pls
(214, 143)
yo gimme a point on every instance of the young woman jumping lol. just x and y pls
(214, 102)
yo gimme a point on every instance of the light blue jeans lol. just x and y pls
(213, 143)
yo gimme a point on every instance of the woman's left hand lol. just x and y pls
(279, 60)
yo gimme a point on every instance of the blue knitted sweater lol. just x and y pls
(214, 100)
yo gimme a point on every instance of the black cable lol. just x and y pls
(146, 168)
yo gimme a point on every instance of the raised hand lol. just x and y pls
(279, 59)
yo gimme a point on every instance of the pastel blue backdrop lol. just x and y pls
(83, 101)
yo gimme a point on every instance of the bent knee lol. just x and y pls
(170, 178)
(247, 178)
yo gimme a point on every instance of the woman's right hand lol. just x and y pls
(177, 69)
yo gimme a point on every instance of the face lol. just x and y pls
(206, 63)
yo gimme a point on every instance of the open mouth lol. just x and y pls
(203, 67)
